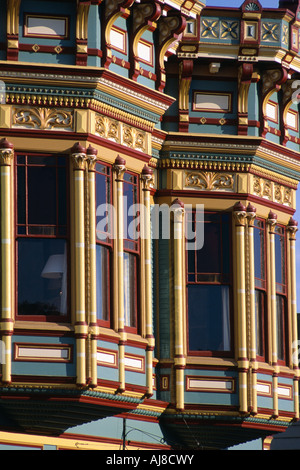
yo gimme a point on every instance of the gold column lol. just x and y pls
(6, 157)
(239, 213)
(119, 168)
(81, 327)
(272, 221)
(93, 332)
(251, 214)
(179, 357)
(292, 229)
(147, 179)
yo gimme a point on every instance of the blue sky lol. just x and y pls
(270, 4)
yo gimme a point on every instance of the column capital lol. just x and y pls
(177, 207)
(78, 153)
(147, 177)
(91, 157)
(6, 152)
(272, 221)
(292, 227)
(250, 214)
(239, 213)
(119, 167)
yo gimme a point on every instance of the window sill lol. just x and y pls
(211, 361)
(42, 326)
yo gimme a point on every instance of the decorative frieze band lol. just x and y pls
(42, 118)
(210, 181)
(272, 191)
(121, 133)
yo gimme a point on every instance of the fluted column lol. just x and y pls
(272, 221)
(239, 213)
(6, 157)
(81, 327)
(179, 357)
(251, 214)
(292, 229)
(147, 178)
(92, 313)
(119, 168)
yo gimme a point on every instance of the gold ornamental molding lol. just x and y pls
(210, 181)
(281, 179)
(42, 118)
(272, 191)
(121, 133)
(47, 100)
(204, 165)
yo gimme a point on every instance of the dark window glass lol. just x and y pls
(280, 259)
(103, 241)
(281, 290)
(103, 276)
(209, 320)
(280, 317)
(208, 283)
(130, 292)
(103, 203)
(42, 231)
(259, 241)
(42, 203)
(131, 248)
(42, 277)
(259, 321)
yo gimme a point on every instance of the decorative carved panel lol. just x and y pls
(43, 118)
(210, 181)
(272, 191)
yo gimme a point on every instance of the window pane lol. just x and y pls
(259, 316)
(208, 318)
(130, 289)
(21, 184)
(103, 214)
(42, 197)
(209, 256)
(259, 255)
(280, 327)
(280, 258)
(42, 277)
(102, 273)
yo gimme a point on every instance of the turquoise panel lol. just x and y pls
(107, 373)
(285, 405)
(94, 27)
(219, 30)
(44, 368)
(46, 58)
(271, 32)
(15, 447)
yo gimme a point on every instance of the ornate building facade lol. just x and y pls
(162, 340)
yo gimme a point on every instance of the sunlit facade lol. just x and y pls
(149, 162)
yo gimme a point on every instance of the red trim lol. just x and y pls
(223, 195)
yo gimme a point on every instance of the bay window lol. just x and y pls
(208, 286)
(42, 230)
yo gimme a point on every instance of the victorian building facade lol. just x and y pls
(177, 338)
